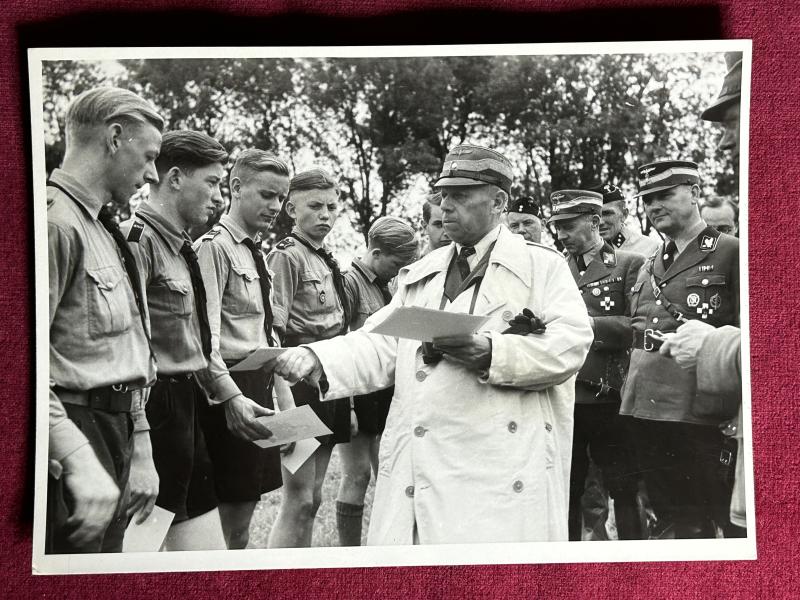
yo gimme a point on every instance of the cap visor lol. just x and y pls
(455, 181)
(656, 189)
(565, 216)
(716, 111)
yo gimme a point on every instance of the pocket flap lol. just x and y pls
(311, 276)
(248, 273)
(181, 287)
(705, 280)
(106, 278)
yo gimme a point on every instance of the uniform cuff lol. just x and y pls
(65, 438)
(222, 389)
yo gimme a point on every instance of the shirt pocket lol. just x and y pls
(110, 301)
(245, 290)
(178, 296)
(707, 294)
(318, 290)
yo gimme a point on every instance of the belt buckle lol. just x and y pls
(648, 335)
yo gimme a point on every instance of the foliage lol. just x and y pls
(383, 125)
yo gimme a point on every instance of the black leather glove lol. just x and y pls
(524, 323)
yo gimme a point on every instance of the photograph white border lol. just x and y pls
(374, 556)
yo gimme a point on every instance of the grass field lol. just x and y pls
(325, 525)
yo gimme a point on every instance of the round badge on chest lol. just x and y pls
(693, 300)
(596, 292)
(322, 297)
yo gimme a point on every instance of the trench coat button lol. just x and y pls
(655, 319)
(410, 491)
(419, 431)
(421, 375)
(507, 315)
(512, 427)
(658, 302)
(518, 486)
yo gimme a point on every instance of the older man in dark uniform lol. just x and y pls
(523, 219)
(695, 275)
(614, 227)
(604, 277)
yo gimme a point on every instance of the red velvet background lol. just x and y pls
(774, 175)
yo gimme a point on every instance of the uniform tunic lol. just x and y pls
(306, 309)
(235, 305)
(170, 299)
(96, 335)
(605, 288)
(465, 458)
(702, 283)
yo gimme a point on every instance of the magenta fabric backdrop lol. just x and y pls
(774, 175)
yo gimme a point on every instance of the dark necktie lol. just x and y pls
(669, 254)
(106, 218)
(455, 277)
(199, 291)
(338, 278)
(581, 264)
(266, 284)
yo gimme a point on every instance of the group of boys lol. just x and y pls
(475, 440)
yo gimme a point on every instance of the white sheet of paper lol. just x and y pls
(257, 359)
(148, 536)
(291, 426)
(425, 324)
(303, 450)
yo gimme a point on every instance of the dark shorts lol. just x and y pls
(372, 410)
(684, 468)
(242, 470)
(186, 476)
(110, 435)
(334, 413)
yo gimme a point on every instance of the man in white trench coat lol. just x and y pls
(477, 444)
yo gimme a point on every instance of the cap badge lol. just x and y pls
(453, 166)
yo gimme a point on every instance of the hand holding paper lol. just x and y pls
(291, 426)
(298, 363)
(242, 413)
(473, 352)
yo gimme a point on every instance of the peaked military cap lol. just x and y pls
(524, 204)
(731, 88)
(665, 174)
(475, 165)
(568, 204)
(610, 192)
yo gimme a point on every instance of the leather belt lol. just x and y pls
(644, 340)
(110, 398)
(178, 378)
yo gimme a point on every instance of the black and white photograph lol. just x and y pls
(391, 305)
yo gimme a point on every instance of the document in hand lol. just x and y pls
(291, 426)
(148, 536)
(257, 359)
(425, 324)
(301, 452)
